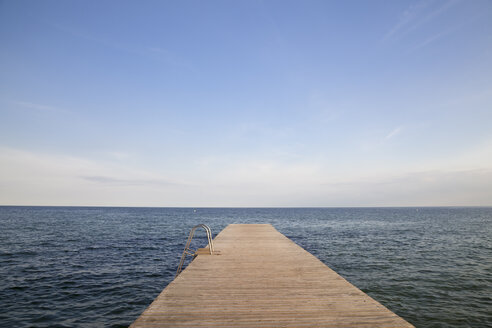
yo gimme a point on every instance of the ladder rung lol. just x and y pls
(188, 251)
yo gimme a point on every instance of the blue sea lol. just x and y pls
(101, 267)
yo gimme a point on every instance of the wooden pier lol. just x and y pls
(262, 279)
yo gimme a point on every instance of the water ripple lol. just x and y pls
(93, 267)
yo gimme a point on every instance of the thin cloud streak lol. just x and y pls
(39, 107)
(108, 180)
(415, 17)
(418, 188)
(163, 55)
(40, 178)
(434, 14)
(444, 33)
(393, 133)
(408, 16)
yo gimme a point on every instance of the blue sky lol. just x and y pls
(246, 103)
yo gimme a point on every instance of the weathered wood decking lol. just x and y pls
(262, 279)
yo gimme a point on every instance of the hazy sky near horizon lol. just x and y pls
(246, 103)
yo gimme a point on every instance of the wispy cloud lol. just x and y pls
(118, 155)
(29, 177)
(407, 19)
(154, 52)
(393, 133)
(114, 181)
(379, 139)
(416, 16)
(84, 35)
(168, 56)
(433, 38)
(416, 188)
(39, 107)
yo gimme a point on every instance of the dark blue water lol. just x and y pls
(101, 267)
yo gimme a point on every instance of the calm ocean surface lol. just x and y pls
(101, 267)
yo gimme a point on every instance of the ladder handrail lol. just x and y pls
(188, 251)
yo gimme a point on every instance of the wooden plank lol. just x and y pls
(262, 279)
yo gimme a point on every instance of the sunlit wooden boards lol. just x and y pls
(262, 279)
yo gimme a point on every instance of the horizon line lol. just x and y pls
(261, 207)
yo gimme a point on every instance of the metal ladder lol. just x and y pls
(189, 251)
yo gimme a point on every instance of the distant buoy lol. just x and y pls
(194, 211)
